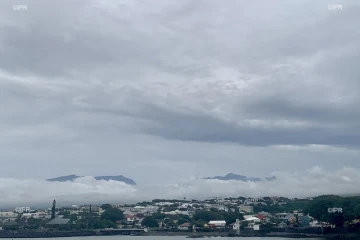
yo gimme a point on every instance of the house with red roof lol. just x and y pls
(129, 218)
(263, 218)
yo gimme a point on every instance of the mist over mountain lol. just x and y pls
(87, 190)
(236, 177)
(71, 178)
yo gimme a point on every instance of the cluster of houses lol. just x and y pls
(134, 214)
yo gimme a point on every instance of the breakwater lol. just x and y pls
(53, 234)
(34, 234)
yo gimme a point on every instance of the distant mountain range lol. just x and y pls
(119, 178)
(232, 176)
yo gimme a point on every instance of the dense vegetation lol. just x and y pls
(199, 218)
(316, 208)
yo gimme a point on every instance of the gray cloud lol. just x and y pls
(139, 87)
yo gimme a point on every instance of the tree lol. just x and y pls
(34, 223)
(169, 209)
(207, 216)
(199, 223)
(169, 223)
(112, 214)
(65, 227)
(106, 206)
(149, 222)
(318, 208)
(158, 215)
(73, 218)
(66, 214)
(100, 224)
(243, 225)
(357, 211)
(337, 219)
(80, 225)
(231, 217)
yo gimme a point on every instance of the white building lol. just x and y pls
(163, 204)
(218, 223)
(221, 208)
(281, 216)
(8, 215)
(177, 212)
(185, 205)
(253, 219)
(246, 209)
(251, 200)
(130, 219)
(236, 225)
(27, 215)
(184, 226)
(137, 208)
(253, 222)
(41, 215)
(256, 227)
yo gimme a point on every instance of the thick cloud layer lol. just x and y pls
(164, 89)
(86, 190)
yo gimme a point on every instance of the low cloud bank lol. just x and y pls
(312, 182)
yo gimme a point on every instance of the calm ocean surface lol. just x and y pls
(160, 238)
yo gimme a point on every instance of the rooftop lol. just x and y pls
(187, 224)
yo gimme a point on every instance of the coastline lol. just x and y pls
(30, 234)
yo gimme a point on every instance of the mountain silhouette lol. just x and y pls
(236, 177)
(119, 178)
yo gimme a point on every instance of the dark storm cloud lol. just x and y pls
(171, 124)
(283, 108)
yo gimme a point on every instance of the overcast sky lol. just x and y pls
(162, 90)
